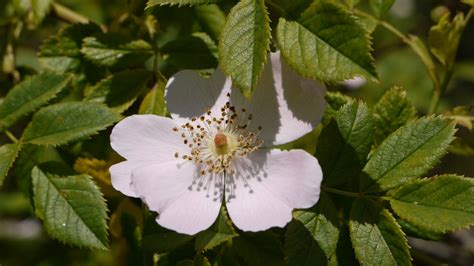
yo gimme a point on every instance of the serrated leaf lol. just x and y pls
(442, 203)
(64, 122)
(244, 43)
(200, 260)
(119, 90)
(380, 7)
(391, 112)
(327, 43)
(8, 153)
(408, 153)
(444, 38)
(154, 101)
(109, 50)
(152, 3)
(189, 52)
(29, 95)
(61, 52)
(376, 236)
(212, 19)
(259, 249)
(72, 208)
(311, 238)
(334, 100)
(221, 231)
(419, 232)
(161, 240)
(344, 144)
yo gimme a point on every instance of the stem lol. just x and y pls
(71, 16)
(341, 192)
(11, 136)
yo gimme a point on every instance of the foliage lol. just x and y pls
(69, 73)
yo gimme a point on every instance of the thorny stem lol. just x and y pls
(11, 136)
(71, 16)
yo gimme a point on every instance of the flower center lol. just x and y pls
(215, 140)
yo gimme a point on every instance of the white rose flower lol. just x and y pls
(217, 149)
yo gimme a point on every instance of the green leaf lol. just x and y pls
(321, 36)
(161, 240)
(200, 260)
(221, 231)
(212, 19)
(408, 153)
(344, 143)
(259, 249)
(119, 90)
(376, 236)
(244, 43)
(62, 52)
(311, 238)
(115, 50)
(419, 232)
(152, 3)
(72, 208)
(190, 52)
(29, 95)
(441, 204)
(334, 100)
(154, 101)
(469, 2)
(64, 122)
(39, 9)
(8, 153)
(444, 38)
(392, 111)
(380, 7)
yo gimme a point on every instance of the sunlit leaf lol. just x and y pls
(312, 237)
(72, 209)
(154, 101)
(29, 95)
(8, 153)
(441, 204)
(151, 3)
(64, 122)
(244, 43)
(408, 153)
(376, 236)
(327, 43)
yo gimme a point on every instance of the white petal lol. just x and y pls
(183, 206)
(121, 176)
(268, 185)
(286, 105)
(147, 138)
(188, 94)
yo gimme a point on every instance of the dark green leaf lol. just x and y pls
(392, 111)
(259, 249)
(312, 237)
(154, 101)
(61, 123)
(244, 43)
(62, 52)
(151, 3)
(115, 50)
(221, 231)
(29, 95)
(212, 19)
(8, 153)
(161, 240)
(440, 204)
(344, 143)
(119, 90)
(408, 153)
(72, 208)
(419, 232)
(190, 52)
(376, 236)
(321, 36)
